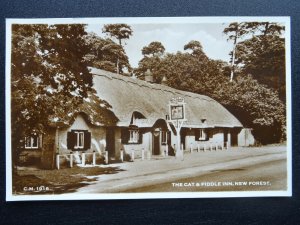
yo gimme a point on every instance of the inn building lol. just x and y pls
(134, 119)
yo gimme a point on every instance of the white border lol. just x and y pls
(146, 20)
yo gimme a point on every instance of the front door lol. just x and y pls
(110, 142)
(156, 144)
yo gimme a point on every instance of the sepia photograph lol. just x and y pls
(127, 108)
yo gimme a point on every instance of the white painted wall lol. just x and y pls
(98, 135)
(245, 138)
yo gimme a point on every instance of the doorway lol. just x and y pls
(156, 143)
(110, 142)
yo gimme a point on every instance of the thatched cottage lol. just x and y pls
(138, 121)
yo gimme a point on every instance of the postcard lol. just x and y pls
(138, 108)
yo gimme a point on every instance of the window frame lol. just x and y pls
(202, 134)
(79, 133)
(133, 136)
(31, 142)
(164, 135)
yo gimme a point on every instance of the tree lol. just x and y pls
(195, 47)
(265, 28)
(155, 48)
(264, 58)
(255, 105)
(263, 55)
(49, 78)
(104, 54)
(235, 31)
(239, 31)
(153, 54)
(120, 32)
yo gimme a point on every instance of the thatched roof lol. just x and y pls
(95, 111)
(126, 95)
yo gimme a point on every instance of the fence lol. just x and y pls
(71, 157)
(145, 154)
(210, 146)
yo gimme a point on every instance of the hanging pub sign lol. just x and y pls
(177, 108)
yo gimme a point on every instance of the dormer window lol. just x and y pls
(131, 135)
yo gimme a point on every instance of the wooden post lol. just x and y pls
(122, 155)
(132, 155)
(83, 159)
(167, 150)
(175, 150)
(106, 157)
(94, 158)
(228, 140)
(57, 161)
(71, 159)
(198, 148)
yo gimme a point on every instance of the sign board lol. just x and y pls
(177, 112)
(177, 109)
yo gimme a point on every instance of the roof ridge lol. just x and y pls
(111, 75)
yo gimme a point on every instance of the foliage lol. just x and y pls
(255, 105)
(155, 48)
(49, 77)
(195, 47)
(104, 54)
(46, 66)
(238, 32)
(264, 58)
(153, 54)
(119, 31)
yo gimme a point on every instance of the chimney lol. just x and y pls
(148, 76)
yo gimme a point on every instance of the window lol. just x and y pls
(201, 135)
(133, 136)
(164, 137)
(32, 142)
(79, 140)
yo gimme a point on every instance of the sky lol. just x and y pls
(174, 37)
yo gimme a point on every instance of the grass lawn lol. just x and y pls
(66, 180)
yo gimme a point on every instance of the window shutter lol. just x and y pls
(70, 140)
(140, 138)
(87, 140)
(209, 134)
(124, 136)
(197, 134)
(40, 141)
(169, 137)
